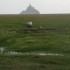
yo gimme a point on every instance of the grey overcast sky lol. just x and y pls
(44, 6)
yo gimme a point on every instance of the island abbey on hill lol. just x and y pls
(30, 10)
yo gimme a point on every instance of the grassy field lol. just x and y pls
(49, 41)
(34, 62)
(56, 39)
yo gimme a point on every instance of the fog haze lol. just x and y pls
(44, 6)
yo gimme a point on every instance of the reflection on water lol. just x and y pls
(3, 51)
(33, 53)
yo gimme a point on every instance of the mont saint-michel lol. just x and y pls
(30, 10)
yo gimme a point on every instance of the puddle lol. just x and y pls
(3, 51)
(33, 53)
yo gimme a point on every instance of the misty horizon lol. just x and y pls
(44, 7)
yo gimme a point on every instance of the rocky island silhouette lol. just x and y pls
(30, 10)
